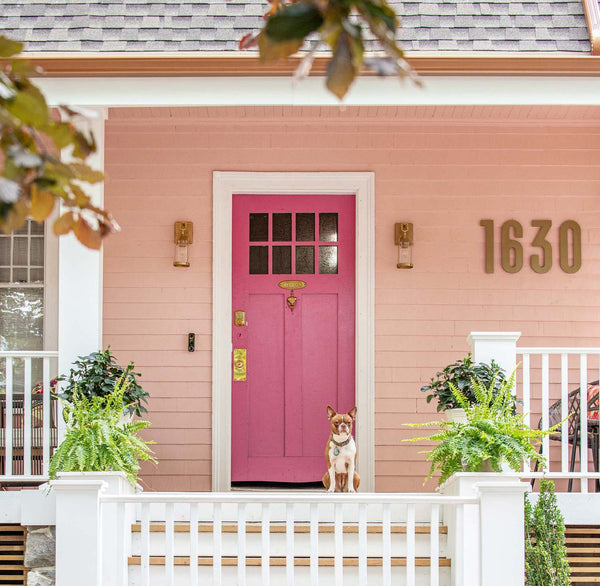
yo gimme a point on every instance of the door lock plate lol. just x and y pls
(239, 364)
(240, 318)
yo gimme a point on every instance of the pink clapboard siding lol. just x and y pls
(444, 169)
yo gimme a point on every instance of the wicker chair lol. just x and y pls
(573, 426)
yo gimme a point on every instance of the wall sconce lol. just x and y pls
(184, 236)
(404, 242)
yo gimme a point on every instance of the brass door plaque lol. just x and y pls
(239, 364)
(292, 284)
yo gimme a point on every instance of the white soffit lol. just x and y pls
(281, 91)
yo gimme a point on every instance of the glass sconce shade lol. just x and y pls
(184, 236)
(404, 242)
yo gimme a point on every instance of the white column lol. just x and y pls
(502, 533)
(498, 346)
(78, 532)
(80, 279)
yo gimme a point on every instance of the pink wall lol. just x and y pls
(443, 169)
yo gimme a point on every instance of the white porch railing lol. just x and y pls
(552, 385)
(28, 415)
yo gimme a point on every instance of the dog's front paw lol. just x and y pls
(331, 489)
(351, 489)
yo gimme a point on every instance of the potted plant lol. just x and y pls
(493, 437)
(96, 375)
(546, 562)
(461, 374)
(96, 441)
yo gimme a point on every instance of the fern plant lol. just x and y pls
(493, 434)
(545, 551)
(96, 440)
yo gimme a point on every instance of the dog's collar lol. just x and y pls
(341, 444)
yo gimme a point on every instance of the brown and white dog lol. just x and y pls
(340, 453)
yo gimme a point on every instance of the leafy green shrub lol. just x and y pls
(96, 375)
(545, 551)
(493, 434)
(97, 441)
(460, 374)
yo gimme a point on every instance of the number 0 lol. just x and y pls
(570, 260)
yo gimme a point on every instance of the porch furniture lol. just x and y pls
(574, 423)
(18, 433)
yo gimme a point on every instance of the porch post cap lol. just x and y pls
(505, 336)
(491, 487)
(78, 485)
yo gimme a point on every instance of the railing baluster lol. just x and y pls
(241, 535)
(169, 545)
(123, 530)
(362, 543)
(217, 543)
(338, 527)
(410, 545)
(545, 408)
(583, 432)
(386, 534)
(8, 418)
(145, 537)
(289, 543)
(194, 519)
(314, 544)
(527, 389)
(434, 546)
(46, 414)
(265, 530)
(564, 412)
(26, 429)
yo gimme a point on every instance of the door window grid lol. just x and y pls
(296, 258)
(22, 256)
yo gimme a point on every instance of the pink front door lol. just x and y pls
(299, 361)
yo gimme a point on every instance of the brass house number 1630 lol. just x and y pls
(511, 248)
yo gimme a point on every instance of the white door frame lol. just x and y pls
(362, 185)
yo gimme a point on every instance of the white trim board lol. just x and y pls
(367, 91)
(225, 184)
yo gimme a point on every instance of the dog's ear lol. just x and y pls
(330, 412)
(352, 412)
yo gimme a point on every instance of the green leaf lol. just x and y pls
(85, 173)
(29, 106)
(270, 50)
(8, 48)
(61, 133)
(340, 70)
(295, 21)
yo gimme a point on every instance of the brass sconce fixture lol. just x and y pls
(184, 236)
(404, 242)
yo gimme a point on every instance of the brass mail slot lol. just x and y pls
(239, 364)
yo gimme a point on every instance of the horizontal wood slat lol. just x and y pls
(583, 548)
(12, 554)
(281, 561)
(277, 528)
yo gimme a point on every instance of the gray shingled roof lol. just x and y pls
(217, 25)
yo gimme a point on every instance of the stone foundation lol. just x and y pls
(40, 556)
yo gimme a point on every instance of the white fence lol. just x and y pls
(113, 536)
(28, 415)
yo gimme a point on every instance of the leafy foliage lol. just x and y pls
(493, 434)
(338, 24)
(33, 176)
(96, 375)
(96, 441)
(545, 551)
(461, 374)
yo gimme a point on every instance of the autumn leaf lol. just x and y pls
(9, 48)
(272, 51)
(42, 204)
(64, 224)
(86, 234)
(340, 70)
(85, 173)
(29, 106)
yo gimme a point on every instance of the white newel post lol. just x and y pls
(498, 346)
(502, 533)
(78, 532)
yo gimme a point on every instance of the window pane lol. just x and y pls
(5, 250)
(20, 251)
(259, 260)
(305, 260)
(282, 227)
(36, 228)
(259, 227)
(282, 260)
(37, 252)
(22, 229)
(328, 261)
(20, 275)
(305, 227)
(36, 276)
(22, 319)
(4, 275)
(328, 227)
